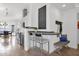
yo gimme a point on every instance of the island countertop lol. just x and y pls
(45, 32)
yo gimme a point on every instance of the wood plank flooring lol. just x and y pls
(13, 49)
(66, 52)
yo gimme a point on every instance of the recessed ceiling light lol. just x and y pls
(64, 5)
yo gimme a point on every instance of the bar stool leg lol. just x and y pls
(41, 48)
(29, 45)
(48, 47)
(33, 43)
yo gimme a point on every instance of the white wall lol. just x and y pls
(52, 15)
(70, 26)
(77, 15)
(78, 36)
(15, 13)
(28, 22)
(67, 17)
(34, 13)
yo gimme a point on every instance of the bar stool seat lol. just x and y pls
(42, 40)
(37, 38)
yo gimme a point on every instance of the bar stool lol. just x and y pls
(31, 38)
(39, 39)
(63, 42)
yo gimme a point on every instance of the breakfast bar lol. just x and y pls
(37, 37)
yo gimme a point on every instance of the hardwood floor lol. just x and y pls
(66, 52)
(13, 49)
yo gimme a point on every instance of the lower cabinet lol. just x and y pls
(20, 39)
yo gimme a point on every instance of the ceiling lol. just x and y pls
(14, 10)
(65, 6)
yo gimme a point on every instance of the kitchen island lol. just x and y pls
(48, 35)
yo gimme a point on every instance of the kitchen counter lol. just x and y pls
(45, 32)
(51, 36)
